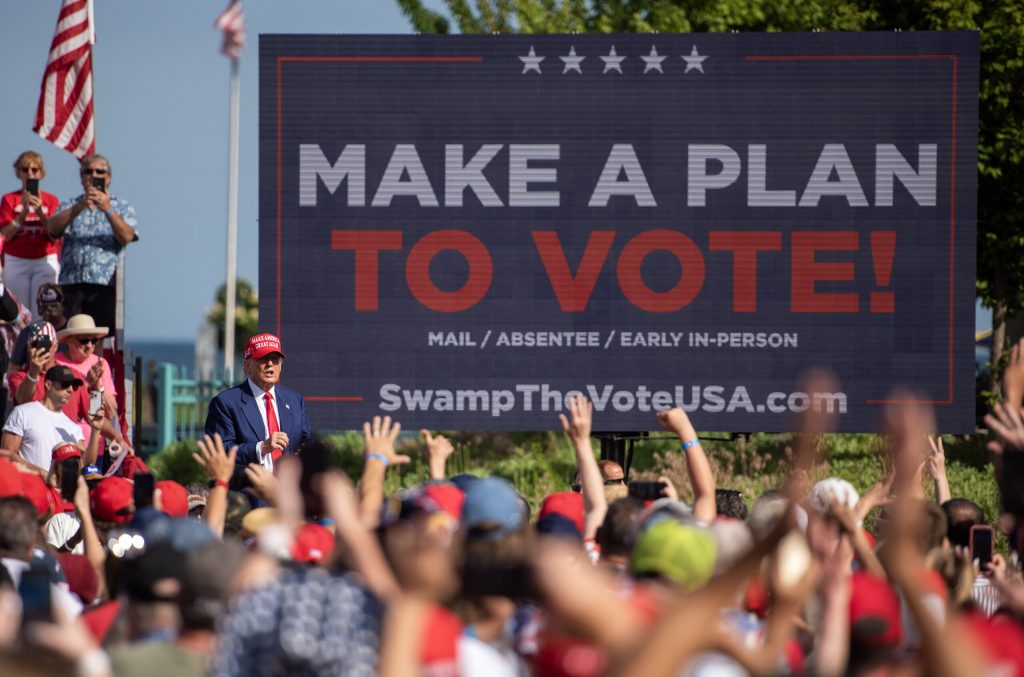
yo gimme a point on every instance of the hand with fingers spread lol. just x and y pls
(1006, 424)
(217, 463)
(438, 451)
(1013, 377)
(379, 437)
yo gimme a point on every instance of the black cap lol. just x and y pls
(63, 375)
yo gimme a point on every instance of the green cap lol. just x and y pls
(683, 554)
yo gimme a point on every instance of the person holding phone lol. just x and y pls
(35, 428)
(30, 254)
(96, 227)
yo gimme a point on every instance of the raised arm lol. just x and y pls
(936, 464)
(379, 437)
(94, 551)
(577, 427)
(438, 451)
(219, 465)
(702, 480)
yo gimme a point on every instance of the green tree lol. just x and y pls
(247, 313)
(1000, 279)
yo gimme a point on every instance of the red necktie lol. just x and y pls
(271, 423)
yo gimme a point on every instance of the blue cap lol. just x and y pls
(493, 500)
(554, 524)
(463, 481)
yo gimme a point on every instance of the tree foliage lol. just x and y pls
(247, 313)
(1000, 280)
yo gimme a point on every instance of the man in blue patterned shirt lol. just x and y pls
(96, 227)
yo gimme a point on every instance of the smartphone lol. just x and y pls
(143, 490)
(32, 186)
(69, 470)
(34, 590)
(42, 341)
(982, 544)
(99, 184)
(515, 581)
(95, 402)
(646, 491)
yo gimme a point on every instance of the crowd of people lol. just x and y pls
(280, 564)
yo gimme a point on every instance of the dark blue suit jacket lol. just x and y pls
(235, 414)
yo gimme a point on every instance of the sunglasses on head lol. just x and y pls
(608, 483)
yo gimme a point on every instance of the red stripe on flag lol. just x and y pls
(56, 114)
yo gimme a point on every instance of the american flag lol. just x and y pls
(64, 116)
(231, 22)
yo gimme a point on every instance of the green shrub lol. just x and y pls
(175, 462)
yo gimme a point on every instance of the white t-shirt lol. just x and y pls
(41, 430)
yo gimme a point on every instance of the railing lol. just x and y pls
(182, 402)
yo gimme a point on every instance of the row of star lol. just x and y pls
(613, 62)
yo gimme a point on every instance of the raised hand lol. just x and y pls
(1013, 377)
(581, 417)
(217, 463)
(379, 437)
(1006, 424)
(438, 451)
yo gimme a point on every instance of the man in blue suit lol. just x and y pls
(263, 419)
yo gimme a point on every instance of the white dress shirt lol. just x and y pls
(265, 458)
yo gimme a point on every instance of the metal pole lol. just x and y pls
(229, 284)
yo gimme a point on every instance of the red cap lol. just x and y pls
(10, 480)
(313, 543)
(262, 344)
(81, 576)
(874, 612)
(568, 504)
(173, 498)
(448, 497)
(112, 500)
(66, 450)
(36, 490)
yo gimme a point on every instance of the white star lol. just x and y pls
(694, 61)
(652, 61)
(531, 62)
(572, 62)
(613, 61)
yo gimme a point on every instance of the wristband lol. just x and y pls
(380, 457)
(108, 213)
(221, 483)
(692, 443)
(31, 378)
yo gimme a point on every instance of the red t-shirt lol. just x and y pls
(32, 241)
(77, 408)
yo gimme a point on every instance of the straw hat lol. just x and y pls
(82, 325)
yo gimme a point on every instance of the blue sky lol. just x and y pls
(161, 106)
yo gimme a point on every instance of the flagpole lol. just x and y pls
(229, 285)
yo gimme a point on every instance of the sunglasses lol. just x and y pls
(30, 170)
(94, 171)
(88, 340)
(608, 483)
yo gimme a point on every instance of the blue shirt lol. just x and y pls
(90, 250)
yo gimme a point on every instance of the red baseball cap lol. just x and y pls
(874, 612)
(66, 450)
(38, 492)
(112, 500)
(447, 496)
(568, 504)
(313, 543)
(173, 498)
(262, 344)
(10, 482)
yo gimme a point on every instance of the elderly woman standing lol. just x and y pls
(82, 336)
(30, 254)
